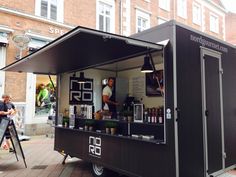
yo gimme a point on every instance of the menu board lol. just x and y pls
(16, 143)
(3, 126)
(138, 85)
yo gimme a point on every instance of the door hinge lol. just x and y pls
(221, 71)
(178, 114)
(224, 155)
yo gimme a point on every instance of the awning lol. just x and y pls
(79, 49)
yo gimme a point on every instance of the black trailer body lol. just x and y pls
(205, 98)
(207, 123)
(197, 138)
(126, 155)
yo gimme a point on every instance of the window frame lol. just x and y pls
(212, 28)
(60, 10)
(199, 14)
(143, 15)
(179, 12)
(164, 4)
(161, 20)
(3, 58)
(110, 3)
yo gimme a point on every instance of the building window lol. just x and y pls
(105, 16)
(3, 39)
(161, 20)
(164, 4)
(182, 8)
(36, 44)
(142, 21)
(50, 9)
(214, 23)
(196, 14)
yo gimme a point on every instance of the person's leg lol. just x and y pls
(7, 135)
(9, 145)
(5, 147)
(8, 142)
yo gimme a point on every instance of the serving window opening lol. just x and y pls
(140, 97)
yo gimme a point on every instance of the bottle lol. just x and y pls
(145, 116)
(65, 121)
(82, 111)
(93, 111)
(149, 115)
(72, 115)
(118, 115)
(160, 116)
(75, 110)
(153, 115)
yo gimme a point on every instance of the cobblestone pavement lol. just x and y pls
(43, 161)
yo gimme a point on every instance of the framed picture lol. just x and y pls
(155, 83)
(138, 112)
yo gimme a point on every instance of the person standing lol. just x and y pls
(43, 96)
(9, 110)
(109, 104)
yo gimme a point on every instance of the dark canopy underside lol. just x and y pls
(79, 49)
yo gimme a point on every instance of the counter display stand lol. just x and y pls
(149, 132)
(131, 141)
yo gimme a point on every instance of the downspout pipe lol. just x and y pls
(120, 17)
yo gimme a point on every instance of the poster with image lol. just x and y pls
(155, 83)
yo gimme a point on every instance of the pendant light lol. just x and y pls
(81, 78)
(147, 67)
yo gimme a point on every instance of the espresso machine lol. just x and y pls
(129, 103)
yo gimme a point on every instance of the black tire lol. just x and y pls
(100, 171)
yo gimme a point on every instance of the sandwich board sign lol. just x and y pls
(7, 123)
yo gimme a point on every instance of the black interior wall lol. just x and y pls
(189, 103)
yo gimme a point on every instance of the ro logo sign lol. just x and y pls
(95, 144)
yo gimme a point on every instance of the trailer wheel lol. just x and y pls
(99, 171)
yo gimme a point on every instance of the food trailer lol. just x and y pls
(182, 124)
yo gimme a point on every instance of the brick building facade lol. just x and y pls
(45, 20)
(231, 28)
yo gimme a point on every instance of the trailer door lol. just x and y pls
(212, 111)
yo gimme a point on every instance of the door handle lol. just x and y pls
(178, 113)
(206, 113)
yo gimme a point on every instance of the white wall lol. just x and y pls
(97, 76)
(63, 95)
(135, 73)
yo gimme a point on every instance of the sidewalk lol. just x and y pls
(231, 173)
(42, 161)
